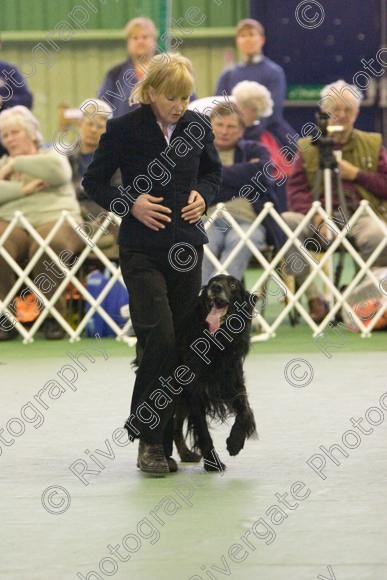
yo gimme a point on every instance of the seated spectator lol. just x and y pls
(241, 161)
(117, 86)
(90, 129)
(363, 171)
(255, 103)
(250, 39)
(13, 89)
(38, 183)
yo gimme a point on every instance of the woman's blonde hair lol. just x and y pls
(22, 117)
(167, 74)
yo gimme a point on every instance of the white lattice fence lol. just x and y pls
(273, 269)
(70, 275)
(270, 270)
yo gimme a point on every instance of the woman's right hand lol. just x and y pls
(33, 186)
(150, 212)
(7, 170)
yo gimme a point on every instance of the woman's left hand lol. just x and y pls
(195, 208)
(7, 169)
(34, 186)
(348, 171)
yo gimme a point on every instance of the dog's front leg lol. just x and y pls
(244, 425)
(203, 439)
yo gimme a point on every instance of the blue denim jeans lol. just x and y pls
(222, 240)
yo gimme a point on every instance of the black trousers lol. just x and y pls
(160, 295)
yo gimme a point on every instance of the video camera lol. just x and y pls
(325, 142)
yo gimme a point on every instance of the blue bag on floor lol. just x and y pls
(115, 305)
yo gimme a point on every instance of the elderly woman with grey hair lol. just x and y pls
(93, 117)
(252, 99)
(254, 102)
(37, 182)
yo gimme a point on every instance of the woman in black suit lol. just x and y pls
(171, 173)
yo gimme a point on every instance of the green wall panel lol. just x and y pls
(115, 16)
(30, 14)
(9, 15)
(45, 14)
(80, 65)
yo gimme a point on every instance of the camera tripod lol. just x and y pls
(328, 175)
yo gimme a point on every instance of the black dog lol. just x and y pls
(213, 344)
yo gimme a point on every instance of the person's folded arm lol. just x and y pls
(97, 179)
(51, 167)
(210, 171)
(239, 174)
(375, 181)
(10, 191)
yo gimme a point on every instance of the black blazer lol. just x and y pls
(135, 144)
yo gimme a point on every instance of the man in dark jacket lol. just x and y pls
(242, 161)
(250, 39)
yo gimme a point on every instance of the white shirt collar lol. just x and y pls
(170, 130)
(256, 58)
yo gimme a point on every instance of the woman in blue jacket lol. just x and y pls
(171, 174)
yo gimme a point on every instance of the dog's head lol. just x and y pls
(223, 296)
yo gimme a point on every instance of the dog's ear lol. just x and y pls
(203, 299)
(203, 290)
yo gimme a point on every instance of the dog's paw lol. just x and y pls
(235, 441)
(209, 466)
(189, 456)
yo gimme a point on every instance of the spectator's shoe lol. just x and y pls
(151, 458)
(8, 334)
(53, 330)
(318, 309)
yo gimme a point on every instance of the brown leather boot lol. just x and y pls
(151, 458)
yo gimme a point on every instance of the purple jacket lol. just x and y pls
(13, 87)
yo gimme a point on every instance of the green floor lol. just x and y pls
(190, 525)
(123, 524)
(292, 340)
